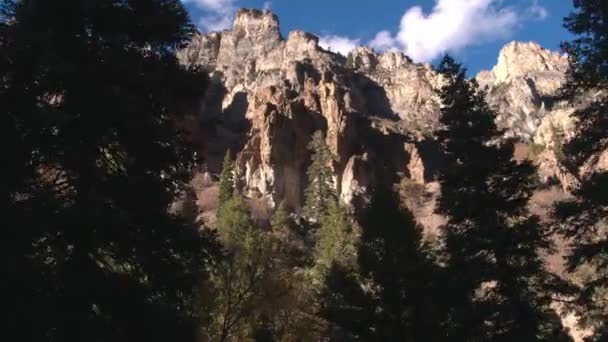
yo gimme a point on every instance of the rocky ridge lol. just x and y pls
(377, 110)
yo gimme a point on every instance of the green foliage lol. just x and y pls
(393, 294)
(234, 222)
(236, 280)
(90, 92)
(227, 181)
(588, 52)
(335, 242)
(280, 220)
(254, 291)
(492, 242)
(320, 190)
(350, 60)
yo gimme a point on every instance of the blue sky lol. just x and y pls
(472, 30)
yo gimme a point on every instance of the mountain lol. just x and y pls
(378, 110)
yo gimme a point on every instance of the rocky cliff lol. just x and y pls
(378, 110)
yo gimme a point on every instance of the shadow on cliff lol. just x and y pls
(388, 159)
(371, 98)
(221, 129)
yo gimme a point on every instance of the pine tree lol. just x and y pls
(238, 278)
(588, 51)
(90, 93)
(234, 221)
(254, 290)
(583, 218)
(281, 218)
(227, 187)
(350, 60)
(392, 293)
(335, 242)
(500, 288)
(320, 190)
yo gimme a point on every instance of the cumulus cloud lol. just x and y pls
(383, 41)
(340, 44)
(451, 26)
(267, 5)
(219, 14)
(536, 11)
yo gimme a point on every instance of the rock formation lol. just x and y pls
(522, 86)
(378, 111)
(270, 94)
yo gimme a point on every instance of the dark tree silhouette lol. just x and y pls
(90, 92)
(583, 219)
(390, 296)
(500, 288)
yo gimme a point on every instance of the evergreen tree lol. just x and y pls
(90, 92)
(588, 52)
(254, 291)
(280, 220)
(583, 218)
(391, 295)
(500, 290)
(350, 60)
(335, 242)
(237, 279)
(234, 221)
(320, 190)
(227, 181)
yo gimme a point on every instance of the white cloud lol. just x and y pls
(267, 5)
(219, 14)
(451, 26)
(340, 44)
(536, 11)
(383, 41)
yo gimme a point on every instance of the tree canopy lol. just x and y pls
(90, 92)
(501, 290)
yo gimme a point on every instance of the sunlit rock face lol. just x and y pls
(271, 93)
(522, 87)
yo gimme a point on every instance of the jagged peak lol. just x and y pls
(517, 59)
(254, 20)
(522, 46)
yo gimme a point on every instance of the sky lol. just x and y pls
(473, 31)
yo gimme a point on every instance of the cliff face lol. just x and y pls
(522, 86)
(271, 93)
